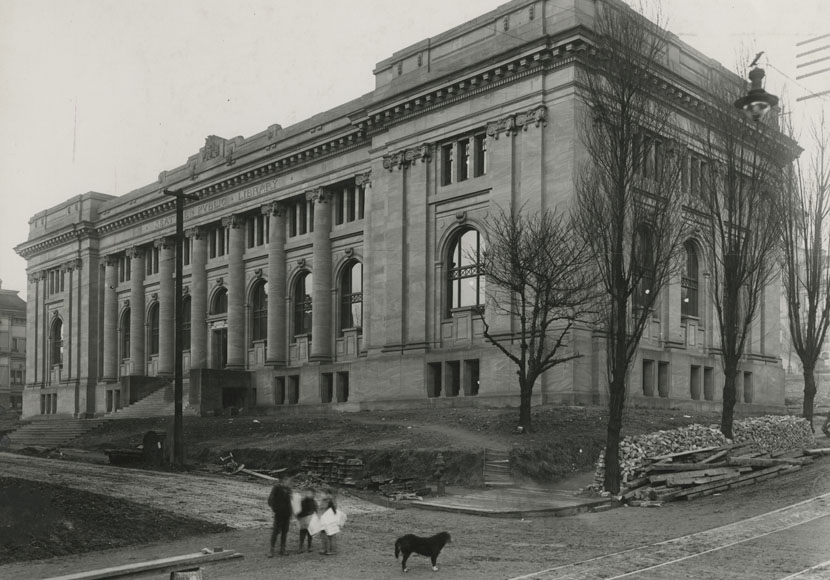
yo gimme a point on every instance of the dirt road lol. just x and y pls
(482, 548)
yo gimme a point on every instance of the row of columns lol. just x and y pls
(276, 353)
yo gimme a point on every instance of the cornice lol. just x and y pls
(80, 231)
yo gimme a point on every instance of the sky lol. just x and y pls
(103, 95)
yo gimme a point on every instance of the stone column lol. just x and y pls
(33, 329)
(110, 345)
(198, 298)
(137, 314)
(167, 305)
(276, 348)
(236, 292)
(321, 299)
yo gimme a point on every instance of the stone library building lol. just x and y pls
(334, 262)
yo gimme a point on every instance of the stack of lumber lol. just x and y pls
(698, 460)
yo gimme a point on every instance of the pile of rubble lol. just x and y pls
(698, 460)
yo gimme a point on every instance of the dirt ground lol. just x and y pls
(140, 515)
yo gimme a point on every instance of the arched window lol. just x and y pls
(643, 266)
(56, 340)
(465, 278)
(186, 317)
(690, 281)
(219, 304)
(125, 334)
(259, 311)
(153, 320)
(351, 296)
(301, 300)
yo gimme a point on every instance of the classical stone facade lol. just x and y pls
(328, 263)
(12, 348)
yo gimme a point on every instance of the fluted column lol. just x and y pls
(137, 315)
(167, 305)
(276, 349)
(33, 330)
(110, 370)
(321, 299)
(236, 292)
(198, 298)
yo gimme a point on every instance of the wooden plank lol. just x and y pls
(683, 466)
(684, 453)
(691, 477)
(818, 451)
(726, 483)
(764, 462)
(135, 568)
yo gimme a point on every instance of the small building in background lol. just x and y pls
(12, 348)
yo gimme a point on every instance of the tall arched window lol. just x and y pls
(186, 317)
(465, 278)
(219, 304)
(351, 296)
(259, 311)
(56, 341)
(690, 281)
(643, 266)
(125, 334)
(153, 321)
(301, 301)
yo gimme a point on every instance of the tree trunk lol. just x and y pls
(826, 427)
(612, 479)
(809, 395)
(524, 406)
(728, 413)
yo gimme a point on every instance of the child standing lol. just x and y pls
(330, 522)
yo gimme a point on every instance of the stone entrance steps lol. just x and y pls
(159, 403)
(52, 431)
(497, 469)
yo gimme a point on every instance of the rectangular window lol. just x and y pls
(694, 383)
(749, 388)
(279, 390)
(326, 387)
(471, 377)
(342, 387)
(293, 389)
(463, 159)
(446, 163)
(479, 155)
(453, 378)
(648, 378)
(186, 251)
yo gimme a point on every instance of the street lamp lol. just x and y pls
(757, 102)
(178, 428)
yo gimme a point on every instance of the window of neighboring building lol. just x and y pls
(464, 273)
(18, 377)
(643, 266)
(219, 304)
(689, 283)
(186, 317)
(259, 311)
(56, 342)
(351, 296)
(125, 334)
(18, 322)
(154, 329)
(463, 158)
(18, 344)
(301, 300)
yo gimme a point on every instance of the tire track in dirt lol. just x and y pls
(220, 499)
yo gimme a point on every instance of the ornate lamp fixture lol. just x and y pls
(757, 102)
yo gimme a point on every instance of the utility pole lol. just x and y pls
(178, 430)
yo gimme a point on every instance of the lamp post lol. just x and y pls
(178, 430)
(757, 102)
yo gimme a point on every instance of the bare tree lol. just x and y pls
(739, 177)
(629, 200)
(805, 212)
(536, 275)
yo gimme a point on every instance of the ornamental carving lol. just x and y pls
(220, 281)
(195, 233)
(363, 179)
(258, 273)
(186, 291)
(318, 195)
(74, 264)
(134, 253)
(274, 208)
(214, 147)
(406, 157)
(511, 124)
(273, 130)
(164, 243)
(232, 221)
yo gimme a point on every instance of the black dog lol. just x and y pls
(412, 544)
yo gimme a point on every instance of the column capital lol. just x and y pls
(134, 252)
(232, 221)
(274, 208)
(109, 261)
(195, 233)
(74, 264)
(405, 157)
(363, 179)
(318, 194)
(165, 243)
